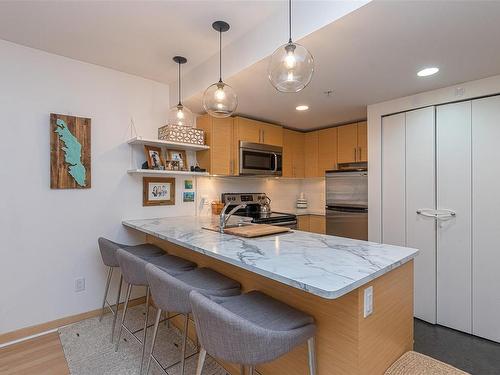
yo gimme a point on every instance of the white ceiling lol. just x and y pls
(136, 37)
(372, 55)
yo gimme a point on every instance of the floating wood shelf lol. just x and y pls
(167, 144)
(154, 172)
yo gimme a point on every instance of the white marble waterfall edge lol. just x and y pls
(323, 265)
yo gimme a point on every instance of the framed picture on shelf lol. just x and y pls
(178, 156)
(154, 157)
(158, 191)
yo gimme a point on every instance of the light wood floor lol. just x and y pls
(41, 356)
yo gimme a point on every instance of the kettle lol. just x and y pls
(265, 205)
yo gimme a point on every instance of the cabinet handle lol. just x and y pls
(355, 153)
(263, 136)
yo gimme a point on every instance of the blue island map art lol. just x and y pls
(72, 151)
(69, 152)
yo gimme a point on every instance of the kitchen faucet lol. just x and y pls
(225, 217)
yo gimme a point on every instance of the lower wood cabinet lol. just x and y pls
(312, 223)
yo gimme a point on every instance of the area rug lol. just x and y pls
(413, 363)
(88, 349)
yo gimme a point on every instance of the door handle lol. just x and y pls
(436, 214)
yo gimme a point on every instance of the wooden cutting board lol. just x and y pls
(257, 230)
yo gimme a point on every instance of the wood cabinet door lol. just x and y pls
(317, 224)
(327, 150)
(288, 152)
(347, 143)
(298, 156)
(303, 223)
(311, 154)
(271, 134)
(222, 160)
(247, 130)
(362, 141)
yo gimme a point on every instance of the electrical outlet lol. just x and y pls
(368, 303)
(79, 284)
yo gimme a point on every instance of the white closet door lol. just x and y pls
(420, 194)
(485, 217)
(454, 253)
(393, 180)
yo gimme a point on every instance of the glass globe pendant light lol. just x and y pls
(291, 66)
(179, 114)
(219, 99)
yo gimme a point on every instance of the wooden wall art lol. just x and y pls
(69, 152)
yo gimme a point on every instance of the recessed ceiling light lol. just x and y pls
(302, 107)
(427, 72)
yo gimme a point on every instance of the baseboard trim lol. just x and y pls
(42, 328)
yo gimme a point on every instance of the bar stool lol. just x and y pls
(171, 293)
(250, 329)
(134, 273)
(108, 253)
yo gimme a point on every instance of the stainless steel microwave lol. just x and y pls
(259, 159)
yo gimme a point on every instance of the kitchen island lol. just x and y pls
(322, 275)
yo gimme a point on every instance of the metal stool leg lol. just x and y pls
(116, 308)
(110, 273)
(129, 290)
(251, 370)
(145, 329)
(155, 331)
(201, 360)
(184, 339)
(242, 370)
(312, 356)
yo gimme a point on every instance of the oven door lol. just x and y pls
(258, 159)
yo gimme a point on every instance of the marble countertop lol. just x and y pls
(323, 265)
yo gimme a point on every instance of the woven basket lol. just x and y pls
(413, 363)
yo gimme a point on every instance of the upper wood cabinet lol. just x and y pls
(327, 150)
(311, 154)
(362, 141)
(293, 153)
(258, 132)
(352, 143)
(219, 159)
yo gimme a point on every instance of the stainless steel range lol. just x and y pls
(258, 208)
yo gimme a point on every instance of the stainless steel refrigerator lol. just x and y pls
(347, 204)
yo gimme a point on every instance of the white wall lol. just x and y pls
(49, 237)
(464, 91)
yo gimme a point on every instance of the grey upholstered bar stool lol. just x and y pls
(134, 273)
(108, 253)
(171, 293)
(250, 329)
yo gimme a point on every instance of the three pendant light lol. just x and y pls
(290, 70)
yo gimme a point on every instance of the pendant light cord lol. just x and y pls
(289, 21)
(220, 56)
(180, 83)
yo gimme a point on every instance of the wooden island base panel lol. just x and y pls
(346, 342)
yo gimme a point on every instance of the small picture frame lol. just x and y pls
(188, 196)
(154, 157)
(188, 184)
(158, 191)
(178, 156)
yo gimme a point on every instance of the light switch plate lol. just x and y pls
(368, 302)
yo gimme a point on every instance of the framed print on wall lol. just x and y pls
(69, 152)
(158, 191)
